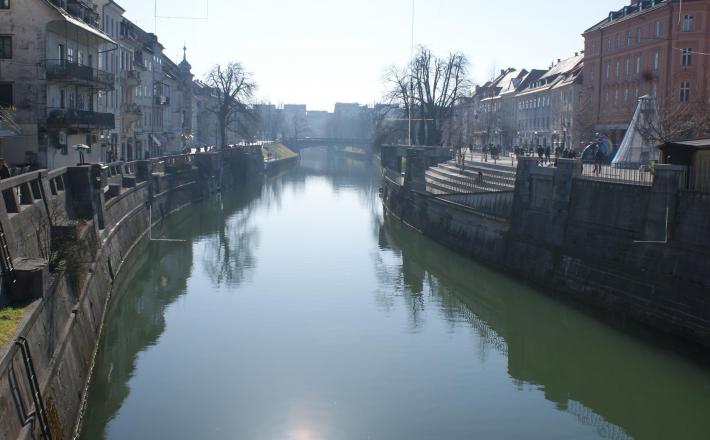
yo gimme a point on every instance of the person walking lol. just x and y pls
(598, 159)
(548, 154)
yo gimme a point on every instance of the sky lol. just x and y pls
(319, 52)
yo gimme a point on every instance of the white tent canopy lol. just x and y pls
(634, 149)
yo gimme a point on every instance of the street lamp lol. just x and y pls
(81, 148)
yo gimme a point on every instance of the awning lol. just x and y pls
(66, 18)
(86, 27)
(155, 140)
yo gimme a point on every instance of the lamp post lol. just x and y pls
(81, 148)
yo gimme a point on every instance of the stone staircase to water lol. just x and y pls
(475, 177)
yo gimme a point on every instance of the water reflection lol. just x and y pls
(299, 311)
(155, 276)
(622, 387)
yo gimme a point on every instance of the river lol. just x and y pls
(297, 310)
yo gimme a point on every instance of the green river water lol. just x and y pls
(297, 310)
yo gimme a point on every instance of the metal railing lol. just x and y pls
(393, 176)
(71, 71)
(630, 173)
(498, 203)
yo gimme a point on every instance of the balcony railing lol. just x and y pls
(162, 100)
(131, 78)
(75, 73)
(132, 112)
(80, 119)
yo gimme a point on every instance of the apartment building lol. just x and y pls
(51, 80)
(650, 47)
(545, 107)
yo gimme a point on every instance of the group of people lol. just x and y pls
(545, 154)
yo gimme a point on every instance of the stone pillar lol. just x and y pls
(143, 170)
(567, 169)
(79, 192)
(667, 182)
(415, 175)
(521, 194)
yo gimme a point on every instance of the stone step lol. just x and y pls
(463, 184)
(497, 181)
(503, 178)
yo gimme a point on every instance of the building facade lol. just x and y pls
(49, 64)
(545, 107)
(650, 47)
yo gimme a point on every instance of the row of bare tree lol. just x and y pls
(427, 89)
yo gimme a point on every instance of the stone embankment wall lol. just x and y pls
(68, 233)
(626, 249)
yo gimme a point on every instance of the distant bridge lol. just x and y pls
(302, 144)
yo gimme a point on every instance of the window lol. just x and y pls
(658, 29)
(4, 4)
(654, 64)
(80, 58)
(686, 58)
(688, 23)
(608, 68)
(685, 91)
(638, 64)
(626, 96)
(628, 38)
(638, 36)
(654, 88)
(70, 55)
(616, 97)
(5, 46)
(618, 41)
(60, 52)
(618, 70)
(627, 67)
(7, 97)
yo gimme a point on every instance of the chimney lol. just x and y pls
(502, 72)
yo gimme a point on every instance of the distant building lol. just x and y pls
(352, 121)
(650, 47)
(545, 107)
(295, 121)
(495, 118)
(320, 123)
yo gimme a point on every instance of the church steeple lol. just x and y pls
(185, 65)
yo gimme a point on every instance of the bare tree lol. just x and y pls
(429, 87)
(234, 87)
(676, 121)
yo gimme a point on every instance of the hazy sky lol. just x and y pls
(318, 52)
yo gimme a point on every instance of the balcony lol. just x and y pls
(162, 100)
(132, 113)
(80, 119)
(80, 75)
(83, 10)
(131, 78)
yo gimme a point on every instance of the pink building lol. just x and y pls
(650, 47)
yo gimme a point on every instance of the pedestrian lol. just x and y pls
(598, 159)
(4, 170)
(548, 154)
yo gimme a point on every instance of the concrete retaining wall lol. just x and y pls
(631, 250)
(63, 326)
